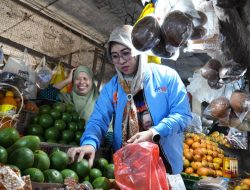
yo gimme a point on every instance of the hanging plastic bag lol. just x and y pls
(1, 57)
(22, 67)
(139, 167)
(146, 35)
(58, 76)
(43, 74)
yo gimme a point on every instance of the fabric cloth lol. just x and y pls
(122, 35)
(167, 101)
(130, 124)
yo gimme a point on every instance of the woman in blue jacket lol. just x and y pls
(147, 102)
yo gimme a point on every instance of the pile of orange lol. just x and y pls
(201, 156)
(219, 138)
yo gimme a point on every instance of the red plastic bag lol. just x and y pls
(139, 167)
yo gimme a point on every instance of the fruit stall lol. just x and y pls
(41, 41)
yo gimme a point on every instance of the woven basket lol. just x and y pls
(11, 121)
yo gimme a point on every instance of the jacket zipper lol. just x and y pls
(154, 124)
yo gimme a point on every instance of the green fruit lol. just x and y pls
(73, 143)
(70, 108)
(51, 141)
(101, 183)
(41, 138)
(59, 160)
(101, 163)
(66, 117)
(88, 184)
(62, 142)
(44, 109)
(52, 133)
(67, 173)
(109, 171)
(59, 124)
(41, 160)
(67, 135)
(52, 176)
(35, 119)
(22, 157)
(81, 125)
(86, 178)
(8, 136)
(35, 129)
(59, 106)
(94, 173)
(75, 116)
(36, 175)
(72, 126)
(45, 120)
(3, 155)
(13, 167)
(78, 135)
(81, 168)
(30, 141)
(55, 114)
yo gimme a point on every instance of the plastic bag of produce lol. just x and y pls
(139, 166)
(22, 67)
(43, 74)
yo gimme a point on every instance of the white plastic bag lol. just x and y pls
(21, 67)
(200, 89)
(43, 74)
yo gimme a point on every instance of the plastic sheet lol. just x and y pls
(139, 167)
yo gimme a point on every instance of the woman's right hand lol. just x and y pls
(70, 76)
(86, 151)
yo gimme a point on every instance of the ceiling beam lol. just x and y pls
(67, 26)
(30, 51)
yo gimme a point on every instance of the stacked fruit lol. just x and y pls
(244, 184)
(219, 138)
(202, 157)
(57, 123)
(54, 167)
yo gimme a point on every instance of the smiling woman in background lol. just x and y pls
(84, 92)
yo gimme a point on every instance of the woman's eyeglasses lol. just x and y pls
(126, 55)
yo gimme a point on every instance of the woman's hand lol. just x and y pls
(86, 151)
(70, 76)
(141, 137)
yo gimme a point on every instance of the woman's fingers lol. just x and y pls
(133, 138)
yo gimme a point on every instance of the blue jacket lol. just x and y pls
(167, 101)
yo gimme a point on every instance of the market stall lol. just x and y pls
(41, 42)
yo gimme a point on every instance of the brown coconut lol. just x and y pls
(198, 33)
(238, 101)
(177, 28)
(146, 33)
(214, 64)
(220, 107)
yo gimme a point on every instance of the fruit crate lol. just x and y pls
(190, 181)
